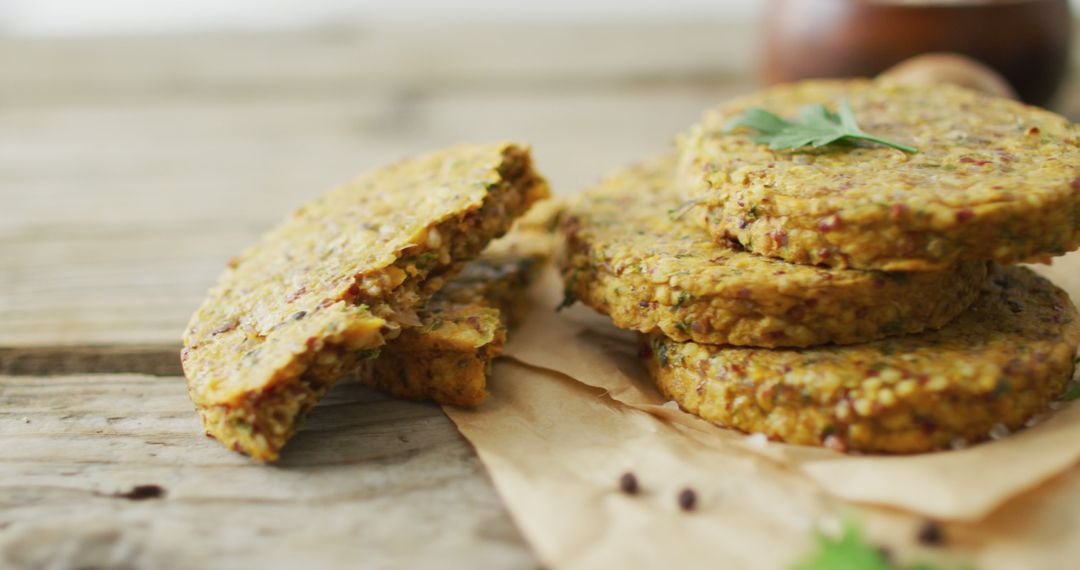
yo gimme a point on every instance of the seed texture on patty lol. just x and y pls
(993, 179)
(447, 357)
(633, 253)
(338, 278)
(998, 364)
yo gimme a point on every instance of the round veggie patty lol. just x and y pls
(633, 253)
(998, 364)
(992, 179)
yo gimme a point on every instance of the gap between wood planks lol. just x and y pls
(153, 360)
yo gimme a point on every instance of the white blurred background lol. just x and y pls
(107, 17)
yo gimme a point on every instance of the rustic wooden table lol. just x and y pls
(131, 169)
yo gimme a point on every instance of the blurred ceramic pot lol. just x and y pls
(1027, 41)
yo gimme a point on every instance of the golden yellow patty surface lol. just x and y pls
(1000, 362)
(993, 179)
(335, 280)
(632, 253)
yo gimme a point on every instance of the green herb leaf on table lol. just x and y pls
(817, 126)
(851, 551)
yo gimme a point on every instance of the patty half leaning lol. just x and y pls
(338, 278)
(992, 179)
(633, 254)
(447, 357)
(1000, 362)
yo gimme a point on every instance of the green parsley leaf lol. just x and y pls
(1072, 393)
(817, 126)
(569, 298)
(852, 551)
(368, 354)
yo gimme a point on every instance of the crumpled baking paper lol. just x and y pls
(572, 410)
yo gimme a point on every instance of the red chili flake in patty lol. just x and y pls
(975, 161)
(474, 322)
(897, 210)
(295, 294)
(778, 237)
(354, 290)
(311, 342)
(829, 224)
(234, 262)
(1033, 131)
(965, 215)
(1075, 184)
(225, 327)
(571, 226)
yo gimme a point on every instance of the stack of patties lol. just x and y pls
(370, 280)
(850, 295)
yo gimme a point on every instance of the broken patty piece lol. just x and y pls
(341, 276)
(447, 358)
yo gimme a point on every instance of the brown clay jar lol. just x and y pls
(1027, 41)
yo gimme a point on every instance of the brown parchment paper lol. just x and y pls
(572, 409)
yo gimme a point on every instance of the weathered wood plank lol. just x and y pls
(120, 211)
(473, 59)
(368, 482)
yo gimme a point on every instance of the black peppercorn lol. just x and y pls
(687, 499)
(931, 534)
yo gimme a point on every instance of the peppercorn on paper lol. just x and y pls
(573, 410)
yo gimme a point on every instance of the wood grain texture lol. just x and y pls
(369, 482)
(131, 169)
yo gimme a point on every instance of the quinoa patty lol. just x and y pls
(993, 179)
(633, 254)
(1001, 362)
(447, 357)
(338, 278)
